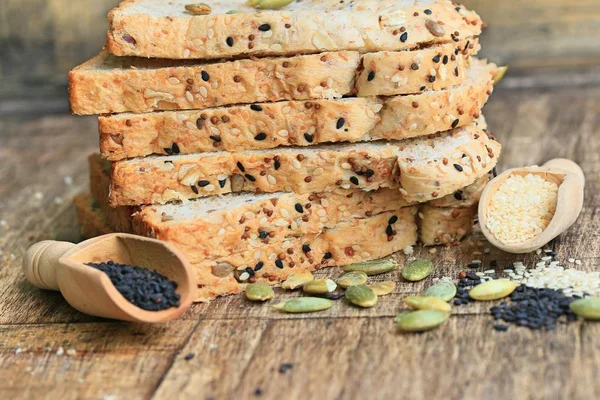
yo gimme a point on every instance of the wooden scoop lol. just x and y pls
(61, 266)
(570, 180)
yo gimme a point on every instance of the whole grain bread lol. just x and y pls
(422, 168)
(297, 123)
(445, 225)
(161, 29)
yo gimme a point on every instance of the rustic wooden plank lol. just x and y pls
(111, 359)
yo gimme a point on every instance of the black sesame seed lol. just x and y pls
(354, 180)
(215, 138)
(458, 167)
(168, 151)
(305, 248)
(229, 41)
(455, 123)
(260, 136)
(432, 79)
(456, 71)
(279, 263)
(194, 189)
(427, 11)
(250, 271)
(189, 356)
(445, 60)
(458, 195)
(422, 88)
(277, 165)
(258, 266)
(285, 367)
(241, 167)
(494, 172)
(369, 173)
(371, 76)
(327, 256)
(309, 138)
(255, 107)
(389, 230)
(393, 219)
(414, 66)
(264, 27)
(250, 177)
(436, 59)
(299, 208)
(404, 37)
(222, 183)
(340, 123)
(205, 76)
(203, 183)
(175, 148)
(263, 234)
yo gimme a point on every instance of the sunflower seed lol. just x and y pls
(444, 290)
(352, 278)
(421, 320)
(383, 288)
(199, 9)
(361, 295)
(304, 304)
(374, 267)
(319, 286)
(427, 303)
(435, 28)
(417, 270)
(492, 290)
(588, 308)
(259, 291)
(296, 280)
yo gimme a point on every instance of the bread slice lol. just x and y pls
(401, 72)
(422, 168)
(161, 29)
(445, 225)
(297, 123)
(92, 220)
(108, 84)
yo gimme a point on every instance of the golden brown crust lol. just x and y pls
(311, 26)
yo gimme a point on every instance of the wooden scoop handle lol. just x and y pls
(40, 263)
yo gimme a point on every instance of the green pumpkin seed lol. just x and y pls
(361, 295)
(427, 303)
(319, 286)
(383, 288)
(443, 290)
(259, 291)
(352, 278)
(499, 74)
(373, 267)
(199, 9)
(296, 280)
(417, 270)
(588, 308)
(492, 290)
(421, 320)
(304, 305)
(268, 4)
(234, 12)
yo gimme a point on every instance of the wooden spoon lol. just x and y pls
(61, 266)
(570, 180)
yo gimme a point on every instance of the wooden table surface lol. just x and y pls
(239, 348)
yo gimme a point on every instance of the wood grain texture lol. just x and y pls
(344, 352)
(40, 40)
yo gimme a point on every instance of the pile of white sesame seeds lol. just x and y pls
(522, 208)
(550, 274)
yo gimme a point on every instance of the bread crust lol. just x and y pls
(301, 123)
(137, 28)
(422, 168)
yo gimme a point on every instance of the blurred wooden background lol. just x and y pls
(40, 40)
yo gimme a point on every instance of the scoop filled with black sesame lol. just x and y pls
(103, 276)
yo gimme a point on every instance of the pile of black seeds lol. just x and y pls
(534, 308)
(145, 289)
(463, 287)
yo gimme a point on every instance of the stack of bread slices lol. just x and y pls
(267, 138)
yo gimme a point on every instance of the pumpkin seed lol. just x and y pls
(499, 74)
(304, 305)
(417, 270)
(427, 303)
(352, 278)
(259, 291)
(297, 279)
(383, 288)
(361, 296)
(335, 295)
(319, 286)
(373, 267)
(234, 12)
(421, 320)
(268, 4)
(492, 290)
(199, 9)
(443, 290)
(435, 28)
(588, 308)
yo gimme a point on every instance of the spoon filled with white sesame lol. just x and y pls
(523, 209)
